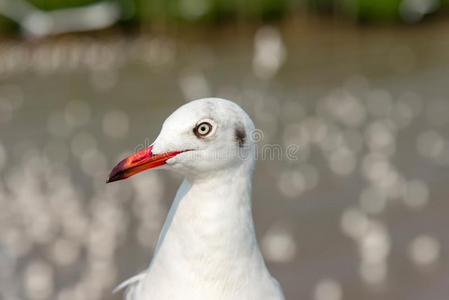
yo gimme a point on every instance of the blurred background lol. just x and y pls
(361, 86)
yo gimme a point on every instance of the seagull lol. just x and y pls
(207, 249)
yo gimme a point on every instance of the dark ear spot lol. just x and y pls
(240, 136)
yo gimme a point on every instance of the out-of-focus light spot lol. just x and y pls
(278, 244)
(65, 252)
(295, 134)
(116, 124)
(438, 112)
(82, 142)
(346, 108)
(379, 138)
(383, 175)
(193, 9)
(41, 229)
(100, 242)
(292, 184)
(354, 223)
(77, 113)
(375, 244)
(75, 225)
(157, 51)
(93, 163)
(413, 11)
(311, 175)
(342, 162)
(194, 86)
(431, 144)
(415, 194)
(101, 58)
(378, 170)
(38, 280)
(316, 128)
(269, 52)
(328, 289)
(334, 140)
(424, 250)
(373, 274)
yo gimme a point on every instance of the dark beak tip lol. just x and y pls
(117, 173)
(112, 179)
(114, 176)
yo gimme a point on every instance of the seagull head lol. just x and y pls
(201, 138)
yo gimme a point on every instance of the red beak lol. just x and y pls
(138, 162)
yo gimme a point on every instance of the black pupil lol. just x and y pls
(202, 129)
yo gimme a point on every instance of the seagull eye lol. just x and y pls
(202, 129)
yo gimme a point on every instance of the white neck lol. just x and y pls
(209, 234)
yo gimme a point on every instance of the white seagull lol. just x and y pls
(207, 249)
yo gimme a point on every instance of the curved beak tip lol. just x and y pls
(118, 172)
(114, 177)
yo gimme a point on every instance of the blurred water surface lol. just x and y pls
(360, 213)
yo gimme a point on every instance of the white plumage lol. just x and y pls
(207, 249)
